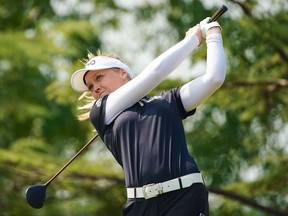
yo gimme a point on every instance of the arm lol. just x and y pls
(153, 74)
(198, 90)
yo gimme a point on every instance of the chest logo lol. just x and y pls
(99, 102)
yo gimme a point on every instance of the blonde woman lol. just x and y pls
(146, 134)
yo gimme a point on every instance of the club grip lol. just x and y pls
(218, 13)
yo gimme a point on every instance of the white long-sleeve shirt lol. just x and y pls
(147, 138)
(192, 93)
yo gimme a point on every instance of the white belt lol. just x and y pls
(154, 189)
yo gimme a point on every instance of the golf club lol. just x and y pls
(35, 195)
(218, 13)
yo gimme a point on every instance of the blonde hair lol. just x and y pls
(86, 97)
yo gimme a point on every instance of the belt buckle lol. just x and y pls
(152, 190)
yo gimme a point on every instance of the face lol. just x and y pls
(103, 82)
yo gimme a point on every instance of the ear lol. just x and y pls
(124, 75)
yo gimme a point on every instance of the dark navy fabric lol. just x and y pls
(148, 139)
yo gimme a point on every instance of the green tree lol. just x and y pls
(39, 127)
(239, 128)
(235, 136)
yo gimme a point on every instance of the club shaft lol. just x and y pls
(218, 13)
(72, 159)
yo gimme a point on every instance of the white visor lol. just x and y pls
(96, 63)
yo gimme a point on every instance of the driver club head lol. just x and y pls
(35, 195)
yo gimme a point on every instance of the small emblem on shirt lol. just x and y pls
(98, 103)
(157, 97)
(152, 98)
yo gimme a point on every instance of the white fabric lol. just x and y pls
(149, 78)
(153, 190)
(198, 90)
(205, 26)
(192, 94)
(96, 63)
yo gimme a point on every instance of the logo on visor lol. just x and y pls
(90, 63)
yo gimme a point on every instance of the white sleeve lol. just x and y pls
(198, 90)
(149, 78)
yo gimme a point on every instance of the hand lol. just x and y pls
(207, 28)
(196, 30)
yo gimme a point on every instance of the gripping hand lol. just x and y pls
(205, 26)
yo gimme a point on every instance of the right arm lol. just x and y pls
(150, 77)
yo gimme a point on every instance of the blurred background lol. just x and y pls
(238, 137)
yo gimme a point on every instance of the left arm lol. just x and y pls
(198, 90)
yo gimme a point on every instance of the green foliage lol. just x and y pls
(238, 131)
(186, 13)
(22, 15)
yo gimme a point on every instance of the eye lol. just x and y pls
(99, 77)
(90, 87)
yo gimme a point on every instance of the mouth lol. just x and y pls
(101, 94)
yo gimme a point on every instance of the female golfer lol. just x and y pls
(145, 134)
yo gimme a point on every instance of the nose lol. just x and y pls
(96, 88)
